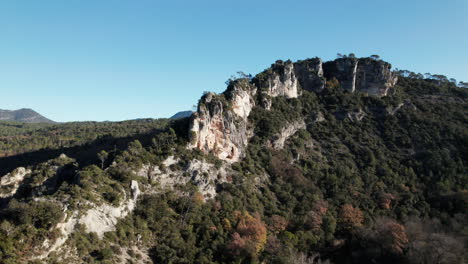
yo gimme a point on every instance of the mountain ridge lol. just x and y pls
(23, 115)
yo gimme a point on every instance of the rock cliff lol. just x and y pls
(220, 124)
(366, 75)
(221, 127)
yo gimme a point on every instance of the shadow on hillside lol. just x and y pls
(84, 154)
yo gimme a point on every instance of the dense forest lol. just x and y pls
(369, 180)
(17, 138)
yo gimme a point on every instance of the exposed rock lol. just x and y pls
(310, 74)
(318, 117)
(220, 126)
(217, 129)
(344, 70)
(148, 171)
(366, 75)
(103, 218)
(282, 81)
(390, 110)
(242, 97)
(266, 102)
(170, 161)
(203, 174)
(356, 115)
(65, 228)
(374, 77)
(10, 183)
(287, 131)
(98, 219)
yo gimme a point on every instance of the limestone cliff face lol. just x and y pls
(221, 127)
(366, 75)
(281, 80)
(310, 74)
(375, 77)
(344, 70)
(220, 124)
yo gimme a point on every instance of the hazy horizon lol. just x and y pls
(114, 61)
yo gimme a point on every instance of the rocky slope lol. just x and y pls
(24, 115)
(220, 126)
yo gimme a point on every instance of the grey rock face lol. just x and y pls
(366, 75)
(279, 80)
(344, 70)
(374, 77)
(310, 74)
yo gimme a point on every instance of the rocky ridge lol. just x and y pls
(220, 126)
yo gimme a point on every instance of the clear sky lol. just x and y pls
(125, 59)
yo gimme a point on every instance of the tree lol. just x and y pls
(103, 157)
(250, 236)
(463, 84)
(351, 217)
(277, 224)
(375, 57)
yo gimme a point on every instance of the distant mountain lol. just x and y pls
(24, 115)
(182, 114)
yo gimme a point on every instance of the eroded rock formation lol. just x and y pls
(366, 75)
(220, 124)
(221, 127)
(10, 183)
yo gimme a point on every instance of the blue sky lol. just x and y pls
(116, 59)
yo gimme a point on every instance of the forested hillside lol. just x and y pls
(17, 138)
(334, 174)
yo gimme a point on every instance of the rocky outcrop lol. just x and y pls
(206, 176)
(98, 219)
(10, 183)
(318, 117)
(355, 115)
(310, 74)
(281, 80)
(103, 218)
(220, 126)
(366, 75)
(344, 70)
(287, 131)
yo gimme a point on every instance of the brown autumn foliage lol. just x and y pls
(350, 217)
(280, 166)
(392, 235)
(385, 200)
(315, 217)
(249, 237)
(198, 198)
(314, 220)
(277, 224)
(320, 206)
